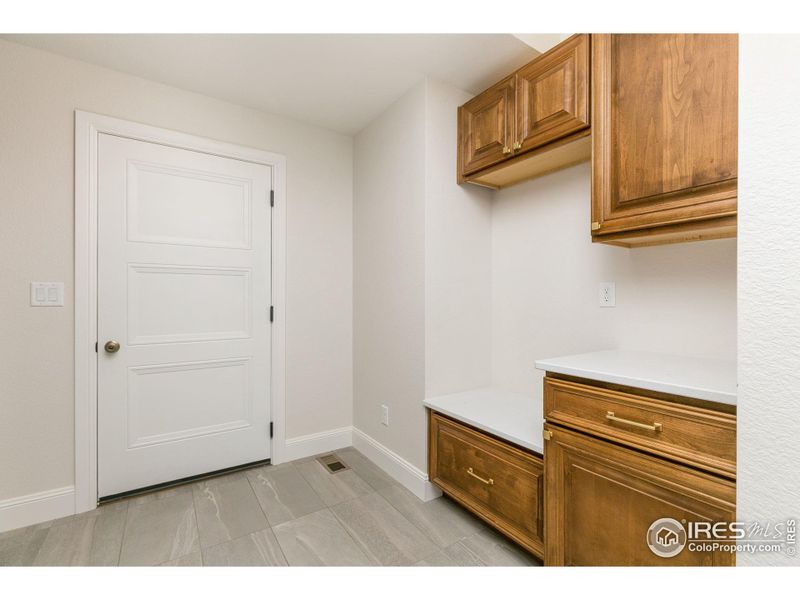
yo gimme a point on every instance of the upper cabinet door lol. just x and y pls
(553, 94)
(485, 127)
(664, 128)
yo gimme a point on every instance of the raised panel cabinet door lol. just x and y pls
(602, 499)
(485, 128)
(664, 128)
(553, 94)
(495, 480)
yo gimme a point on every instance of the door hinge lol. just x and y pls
(272, 197)
(96, 347)
(271, 314)
(271, 429)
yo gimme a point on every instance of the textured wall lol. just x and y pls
(38, 95)
(769, 284)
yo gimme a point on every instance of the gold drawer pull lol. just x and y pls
(489, 481)
(654, 427)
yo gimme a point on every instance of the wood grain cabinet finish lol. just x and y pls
(696, 436)
(602, 499)
(664, 135)
(498, 482)
(486, 127)
(533, 122)
(553, 95)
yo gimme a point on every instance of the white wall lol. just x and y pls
(678, 299)
(389, 277)
(457, 258)
(38, 94)
(416, 242)
(422, 268)
(508, 277)
(545, 271)
(768, 485)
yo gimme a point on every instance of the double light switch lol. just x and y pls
(47, 293)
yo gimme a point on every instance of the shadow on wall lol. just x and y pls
(677, 299)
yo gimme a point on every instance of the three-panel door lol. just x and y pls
(183, 313)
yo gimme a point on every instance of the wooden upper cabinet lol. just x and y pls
(531, 123)
(553, 95)
(656, 113)
(664, 129)
(486, 127)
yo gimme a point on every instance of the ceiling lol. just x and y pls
(340, 82)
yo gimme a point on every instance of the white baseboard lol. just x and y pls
(317, 443)
(414, 479)
(36, 508)
(56, 503)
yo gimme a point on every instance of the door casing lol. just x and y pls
(88, 126)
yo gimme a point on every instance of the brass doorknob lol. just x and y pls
(111, 346)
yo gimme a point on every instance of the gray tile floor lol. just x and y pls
(292, 514)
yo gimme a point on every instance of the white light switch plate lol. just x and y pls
(47, 293)
(608, 294)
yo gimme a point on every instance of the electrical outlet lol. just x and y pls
(384, 415)
(608, 294)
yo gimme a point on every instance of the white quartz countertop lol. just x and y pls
(706, 379)
(516, 418)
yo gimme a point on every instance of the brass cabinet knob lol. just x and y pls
(506, 150)
(517, 145)
(111, 346)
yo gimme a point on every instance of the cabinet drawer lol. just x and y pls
(695, 436)
(500, 483)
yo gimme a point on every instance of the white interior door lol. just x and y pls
(184, 288)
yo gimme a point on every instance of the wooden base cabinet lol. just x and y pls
(602, 499)
(493, 479)
(618, 459)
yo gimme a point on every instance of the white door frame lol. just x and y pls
(88, 126)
